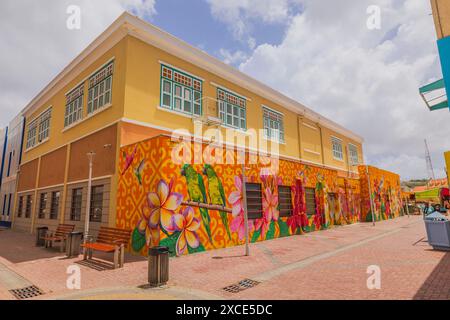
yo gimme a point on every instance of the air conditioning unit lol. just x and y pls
(213, 121)
(208, 121)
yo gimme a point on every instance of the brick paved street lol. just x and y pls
(330, 264)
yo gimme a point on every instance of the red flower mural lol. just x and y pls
(298, 218)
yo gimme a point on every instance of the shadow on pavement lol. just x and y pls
(437, 285)
(18, 247)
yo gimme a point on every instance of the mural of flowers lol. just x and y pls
(298, 218)
(237, 202)
(270, 211)
(158, 211)
(187, 225)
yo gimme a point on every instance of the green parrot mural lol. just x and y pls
(197, 193)
(216, 194)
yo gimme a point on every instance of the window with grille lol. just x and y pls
(44, 125)
(20, 207)
(285, 201)
(254, 200)
(42, 206)
(273, 125)
(54, 206)
(100, 89)
(75, 207)
(337, 148)
(4, 205)
(29, 202)
(8, 212)
(96, 204)
(310, 197)
(353, 152)
(232, 109)
(74, 106)
(180, 92)
(31, 134)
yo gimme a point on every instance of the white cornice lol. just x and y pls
(129, 24)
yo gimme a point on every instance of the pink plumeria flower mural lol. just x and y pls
(236, 199)
(270, 204)
(187, 224)
(158, 211)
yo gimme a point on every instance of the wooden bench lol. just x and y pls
(111, 240)
(60, 235)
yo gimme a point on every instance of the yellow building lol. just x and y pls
(137, 82)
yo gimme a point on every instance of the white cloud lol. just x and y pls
(36, 44)
(239, 15)
(232, 58)
(366, 80)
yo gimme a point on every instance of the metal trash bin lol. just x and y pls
(40, 233)
(438, 231)
(158, 266)
(73, 244)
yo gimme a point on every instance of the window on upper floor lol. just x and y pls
(39, 129)
(180, 92)
(31, 135)
(337, 148)
(100, 89)
(44, 125)
(232, 109)
(273, 125)
(353, 153)
(74, 106)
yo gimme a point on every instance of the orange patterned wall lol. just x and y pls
(159, 196)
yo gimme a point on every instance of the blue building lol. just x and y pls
(11, 147)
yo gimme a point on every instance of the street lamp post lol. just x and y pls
(244, 196)
(91, 156)
(372, 208)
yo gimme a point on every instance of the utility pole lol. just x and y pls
(244, 197)
(90, 156)
(372, 207)
(429, 163)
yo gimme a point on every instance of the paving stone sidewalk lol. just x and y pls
(330, 264)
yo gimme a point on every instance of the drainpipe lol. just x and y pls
(321, 143)
(299, 132)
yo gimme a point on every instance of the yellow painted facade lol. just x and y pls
(142, 104)
(135, 106)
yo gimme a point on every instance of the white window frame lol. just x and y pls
(32, 134)
(338, 151)
(353, 154)
(74, 106)
(237, 112)
(100, 89)
(191, 105)
(44, 125)
(271, 119)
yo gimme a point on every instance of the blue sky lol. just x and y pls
(193, 22)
